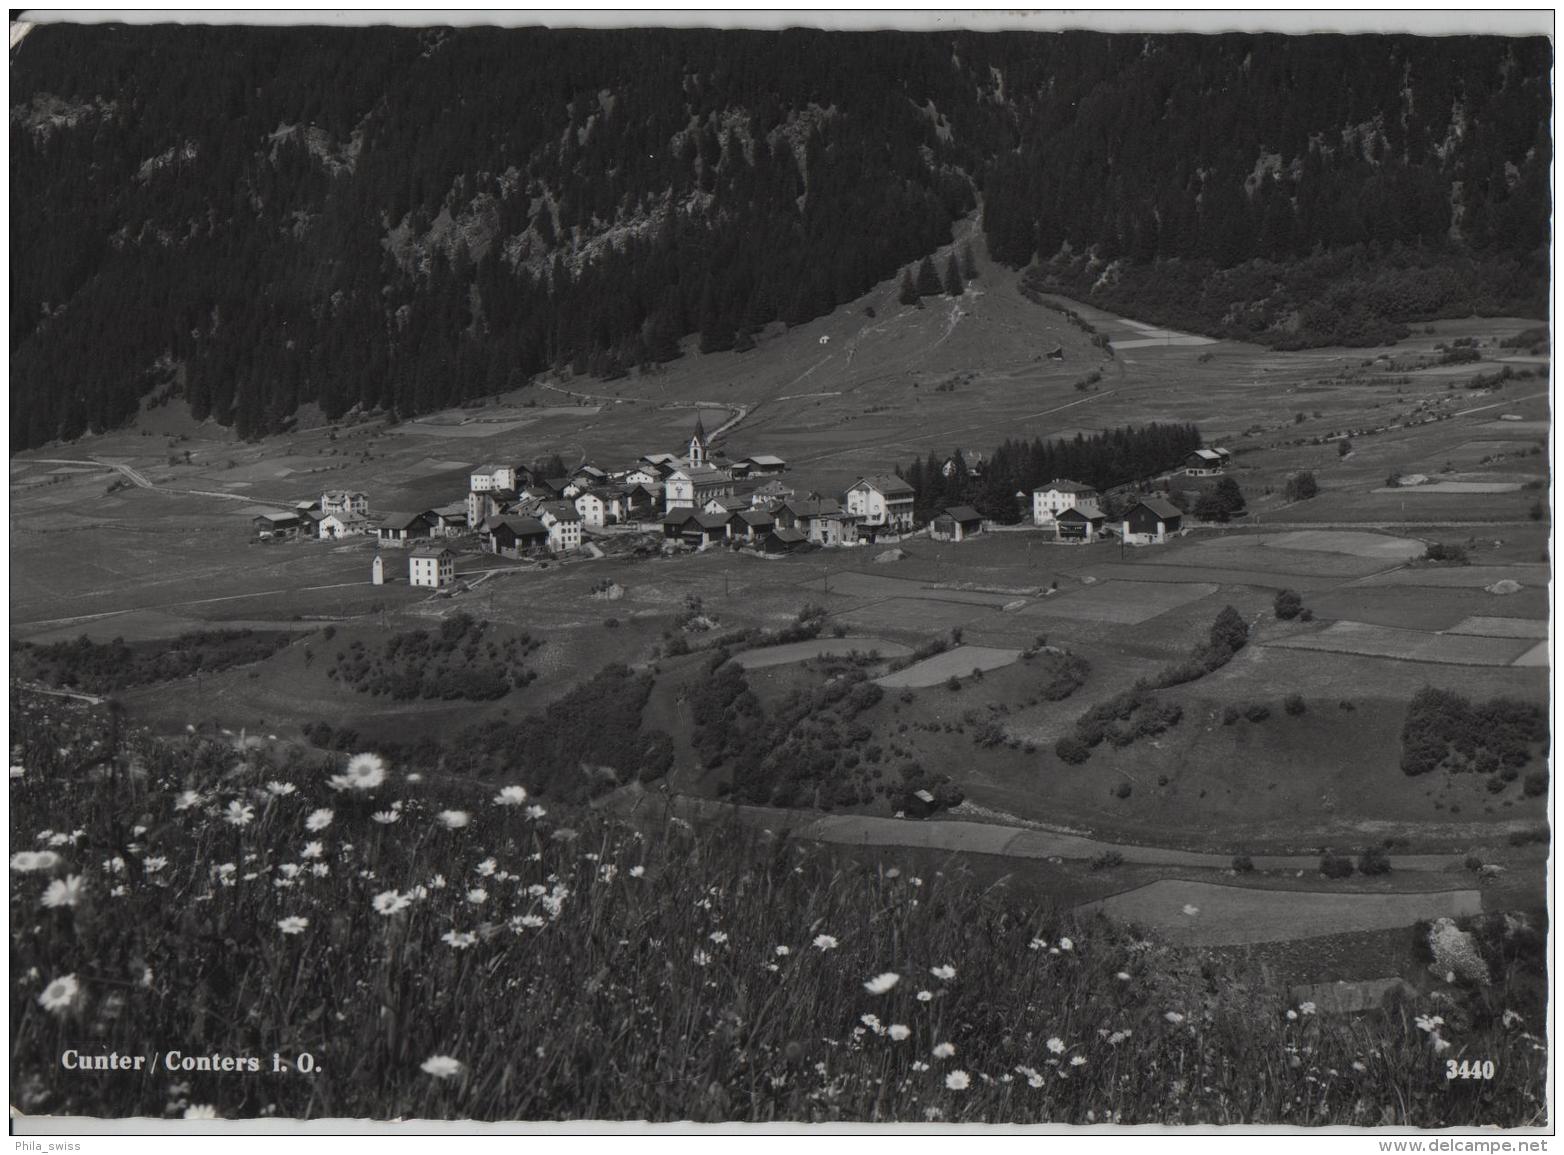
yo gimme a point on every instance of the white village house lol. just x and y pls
(1049, 501)
(433, 566)
(344, 501)
(883, 503)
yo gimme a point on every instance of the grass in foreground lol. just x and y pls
(446, 949)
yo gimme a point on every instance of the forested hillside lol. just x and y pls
(247, 220)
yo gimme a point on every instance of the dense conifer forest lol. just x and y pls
(245, 221)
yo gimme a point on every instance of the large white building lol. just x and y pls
(1049, 501)
(884, 504)
(487, 477)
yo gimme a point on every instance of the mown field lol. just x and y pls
(396, 944)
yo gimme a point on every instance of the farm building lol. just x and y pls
(432, 566)
(1082, 523)
(1150, 521)
(957, 523)
(1207, 462)
(344, 501)
(771, 491)
(822, 520)
(1048, 501)
(760, 465)
(515, 536)
(726, 504)
(448, 520)
(335, 525)
(785, 540)
(884, 505)
(274, 526)
(973, 462)
(697, 529)
(640, 499)
(753, 525)
(589, 475)
(402, 529)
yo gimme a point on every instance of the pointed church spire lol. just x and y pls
(697, 454)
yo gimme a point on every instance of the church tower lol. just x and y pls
(697, 454)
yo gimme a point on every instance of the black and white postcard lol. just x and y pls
(915, 570)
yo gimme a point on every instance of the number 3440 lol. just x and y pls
(1469, 1069)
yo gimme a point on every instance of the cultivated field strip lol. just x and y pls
(803, 651)
(1500, 627)
(1408, 645)
(1526, 574)
(1121, 602)
(1209, 914)
(956, 663)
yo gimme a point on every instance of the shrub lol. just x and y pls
(1472, 862)
(611, 623)
(1257, 712)
(1243, 864)
(1072, 750)
(1374, 861)
(1343, 447)
(1122, 790)
(1536, 784)
(1294, 704)
(1231, 714)
(1300, 486)
(1451, 554)
(953, 683)
(1288, 605)
(1306, 615)
(1335, 866)
(1107, 860)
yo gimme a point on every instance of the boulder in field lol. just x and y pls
(889, 555)
(1504, 586)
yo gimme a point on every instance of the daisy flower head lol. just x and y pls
(946, 972)
(898, 1033)
(1173, 1017)
(1056, 1045)
(387, 817)
(30, 860)
(1307, 1008)
(188, 799)
(364, 772)
(293, 924)
(944, 1050)
(511, 796)
(319, 820)
(958, 1081)
(487, 867)
(239, 813)
(459, 939)
(312, 850)
(1037, 944)
(882, 983)
(637, 871)
(201, 1111)
(1066, 944)
(389, 902)
(453, 819)
(925, 996)
(477, 896)
(782, 950)
(64, 891)
(61, 995)
(441, 1066)
(1123, 976)
(535, 812)
(280, 789)
(826, 942)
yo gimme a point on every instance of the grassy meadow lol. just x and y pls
(449, 948)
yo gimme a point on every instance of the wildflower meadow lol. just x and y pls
(220, 928)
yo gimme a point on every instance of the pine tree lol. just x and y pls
(928, 279)
(953, 283)
(909, 291)
(969, 267)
